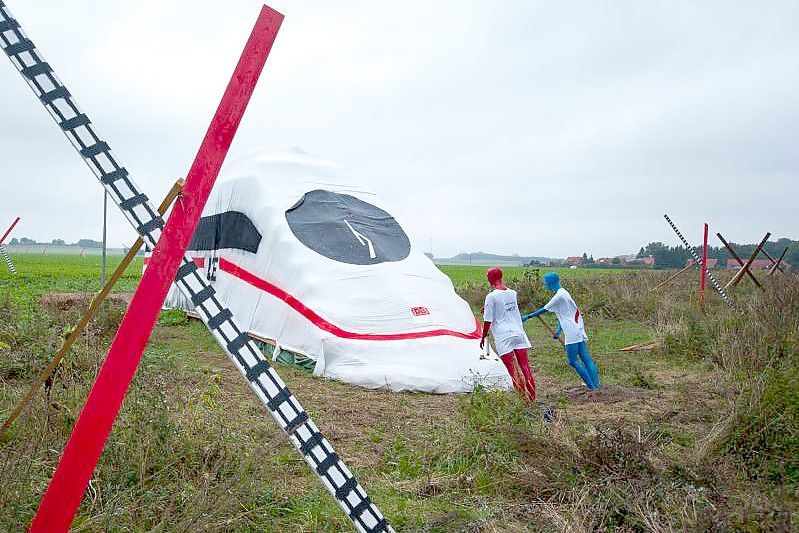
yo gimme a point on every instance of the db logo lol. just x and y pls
(419, 311)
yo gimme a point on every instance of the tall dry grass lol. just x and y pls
(741, 474)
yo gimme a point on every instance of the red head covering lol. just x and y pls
(494, 275)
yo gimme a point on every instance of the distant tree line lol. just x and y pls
(82, 243)
(677, 256)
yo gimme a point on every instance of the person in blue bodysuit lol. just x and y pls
(570, 321)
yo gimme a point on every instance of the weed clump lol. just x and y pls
(27, 339)
(173, 317)
(764, 437)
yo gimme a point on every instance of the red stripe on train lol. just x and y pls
(321, 323)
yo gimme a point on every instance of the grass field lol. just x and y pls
(697, 434)
(38, 274)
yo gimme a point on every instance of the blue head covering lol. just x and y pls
(552, 281)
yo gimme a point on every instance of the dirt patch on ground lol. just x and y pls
(361, 422)
(63, 301)
(610, 403)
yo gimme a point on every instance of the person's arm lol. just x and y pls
(534, 314)
(539, 312)
(486, 327)
(545, 309)
(488, 317)
(558, 329)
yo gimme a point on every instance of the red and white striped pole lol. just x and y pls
(63, 496)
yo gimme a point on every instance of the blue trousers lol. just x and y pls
(580, 360)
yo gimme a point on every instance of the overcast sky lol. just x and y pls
(529, 127)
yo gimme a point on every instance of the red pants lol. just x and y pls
(526, 384)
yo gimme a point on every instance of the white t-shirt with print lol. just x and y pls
(569, 316)
(502, 310)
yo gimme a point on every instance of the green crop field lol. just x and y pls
(38, 274)
(697, 433)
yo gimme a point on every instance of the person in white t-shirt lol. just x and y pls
(570, 321)
(501, 317)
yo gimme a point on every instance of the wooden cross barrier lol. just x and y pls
(745, 268)
(768, 256)
(740, 261)
(776, 264)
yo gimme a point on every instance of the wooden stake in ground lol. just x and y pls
(640, 347)
(740, 261)
(551, 331)
(673, 276)
(94, 306)
(745, 268)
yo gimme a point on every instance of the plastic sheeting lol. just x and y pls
(324, 270)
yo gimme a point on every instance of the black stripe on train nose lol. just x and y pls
(231, 229)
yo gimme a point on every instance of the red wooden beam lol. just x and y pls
(703, 270)
(63, 496)
(11, 227)
(704, 263)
